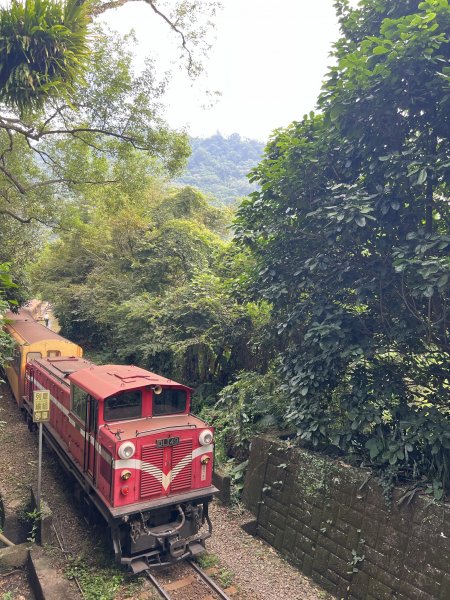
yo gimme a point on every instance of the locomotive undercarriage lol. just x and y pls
(161, 537)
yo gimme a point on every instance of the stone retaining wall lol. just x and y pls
(332, 521)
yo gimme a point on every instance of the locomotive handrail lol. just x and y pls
(138, 433)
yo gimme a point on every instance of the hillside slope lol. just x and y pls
(219, 166)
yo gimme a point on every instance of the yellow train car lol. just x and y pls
(33, 340)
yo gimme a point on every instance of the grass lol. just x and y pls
(101, 583)
(207, 560)
(223, 576)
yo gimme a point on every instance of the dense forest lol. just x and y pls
(327, 313)
(219, 167)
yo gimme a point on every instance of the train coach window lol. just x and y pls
(17, 360)
(79, 401)
(124, 406)
(32, 355)
(169, 402)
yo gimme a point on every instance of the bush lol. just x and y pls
(245, 408)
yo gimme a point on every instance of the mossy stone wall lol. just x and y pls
(333, 522)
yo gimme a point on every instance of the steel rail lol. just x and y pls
(206, 579)
(209, 581)
(160, 589)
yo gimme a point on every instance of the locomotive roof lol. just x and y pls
(63, 366)
(106, 380)
(23, 324)
(20, 315)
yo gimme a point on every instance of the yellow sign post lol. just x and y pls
(41, 413)
(41, 406)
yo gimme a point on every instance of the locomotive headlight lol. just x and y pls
(126, 450)
(206, 437)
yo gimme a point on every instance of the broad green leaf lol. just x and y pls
(423, 174)
(378, 50)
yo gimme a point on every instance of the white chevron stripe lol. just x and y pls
(163, 478)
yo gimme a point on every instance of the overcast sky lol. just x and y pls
(268, 62)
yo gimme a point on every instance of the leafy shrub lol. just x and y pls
(249, 405)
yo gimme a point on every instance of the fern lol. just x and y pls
(43, 51)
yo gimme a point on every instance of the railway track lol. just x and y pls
(210, 590)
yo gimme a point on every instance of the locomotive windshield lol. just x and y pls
(123, 406)
(169, 402)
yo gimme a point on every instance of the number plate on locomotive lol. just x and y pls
(164, 442)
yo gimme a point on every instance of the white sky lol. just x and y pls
(268, 62)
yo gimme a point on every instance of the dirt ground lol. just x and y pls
(251, 569)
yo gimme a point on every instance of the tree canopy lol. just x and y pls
(68, 89)
(147, 281)
(351, 235)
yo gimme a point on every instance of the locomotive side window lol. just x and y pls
(32, 355)
(79, 401)
(124, 406)
(16, 360)
(169, 402)
(53, 353)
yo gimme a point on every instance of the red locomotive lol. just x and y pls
(140, 457)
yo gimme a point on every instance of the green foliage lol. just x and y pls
(43, 50)
(7, 301)
(112, 136)
(207, 560)
(147, 280)
(97, 583)
(43, 184)
(350, 235)
(355, 562)
(33, 518)
(225, 578)
(219, 166)
(252, 404)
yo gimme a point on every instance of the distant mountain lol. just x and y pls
(219, 166)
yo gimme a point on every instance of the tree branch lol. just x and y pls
(13, 180)
(71, 182)
(173, 25)
(10, 147)
(32, 134)
(5, 211)
(28, 220)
